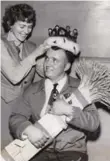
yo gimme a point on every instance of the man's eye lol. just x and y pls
(46, 58)
(55, 60)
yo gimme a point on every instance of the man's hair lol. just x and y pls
(18, 12)
(70, 56)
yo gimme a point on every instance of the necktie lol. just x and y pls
(53, 96)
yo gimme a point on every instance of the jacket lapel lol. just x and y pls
(11, 48)
(70, 86)
(25, 51)
(38, 97)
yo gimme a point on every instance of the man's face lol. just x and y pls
(55, 64)
(21, 30)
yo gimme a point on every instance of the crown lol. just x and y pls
(64, 32)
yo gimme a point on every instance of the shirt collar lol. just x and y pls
(61, 83)
(11, 37)
(71, 82)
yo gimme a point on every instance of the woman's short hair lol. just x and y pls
(18, 12)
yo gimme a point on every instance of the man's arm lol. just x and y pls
(19, 119)
(87, 119)
(21, 127)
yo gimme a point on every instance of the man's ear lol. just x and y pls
(67, 67)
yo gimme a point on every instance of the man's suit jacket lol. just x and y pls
(29, 106)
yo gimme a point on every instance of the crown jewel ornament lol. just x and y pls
(64, 32)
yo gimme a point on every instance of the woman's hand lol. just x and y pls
(39, 51)
(63, 43)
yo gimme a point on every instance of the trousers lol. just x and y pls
(60, 156)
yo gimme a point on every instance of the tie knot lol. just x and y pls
(55, 85)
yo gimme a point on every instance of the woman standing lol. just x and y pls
(18, 59)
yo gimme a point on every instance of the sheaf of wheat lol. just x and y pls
(95, 77)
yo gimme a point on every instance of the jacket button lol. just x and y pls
(66, 95)
(25, 82)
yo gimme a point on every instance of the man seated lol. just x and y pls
(70, 144)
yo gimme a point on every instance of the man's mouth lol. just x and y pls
(49, 69)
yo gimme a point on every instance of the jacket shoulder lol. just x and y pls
(74, 82)
(34, 88)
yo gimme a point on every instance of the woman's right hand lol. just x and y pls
(39, 51)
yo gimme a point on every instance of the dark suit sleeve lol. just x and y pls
(87, 119)
(19, 119)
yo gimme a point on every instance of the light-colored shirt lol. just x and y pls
(48, 89)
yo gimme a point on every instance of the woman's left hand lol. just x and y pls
(64, 43)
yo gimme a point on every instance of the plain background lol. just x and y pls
(92, 19)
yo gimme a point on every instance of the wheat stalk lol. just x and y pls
(96, 78)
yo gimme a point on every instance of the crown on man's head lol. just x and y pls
(64, 32)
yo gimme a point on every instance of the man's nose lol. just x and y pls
(50, 62)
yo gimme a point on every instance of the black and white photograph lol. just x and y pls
(55, 80)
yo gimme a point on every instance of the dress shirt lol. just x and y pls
(48, 89)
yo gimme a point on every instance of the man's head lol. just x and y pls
(57, 62)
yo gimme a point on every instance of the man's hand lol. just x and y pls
(60, 107)
(36, 136)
